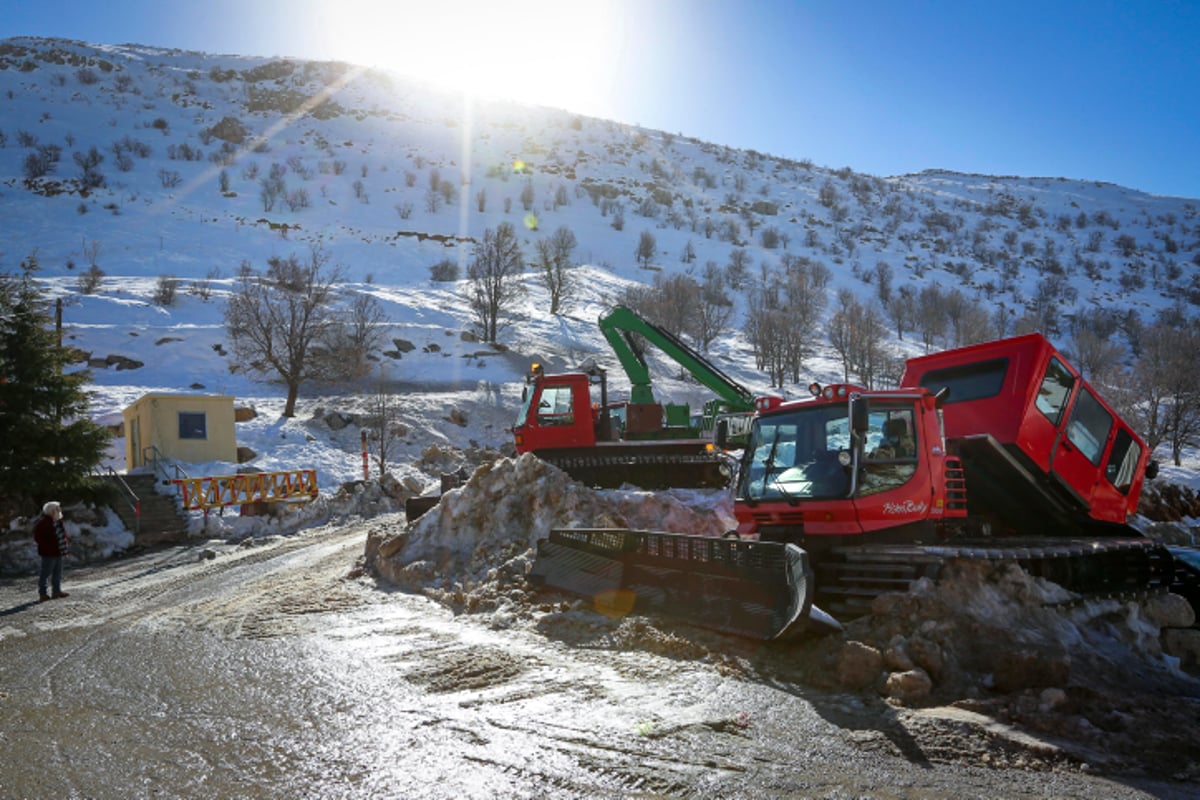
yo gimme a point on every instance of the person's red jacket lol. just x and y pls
(51, 538)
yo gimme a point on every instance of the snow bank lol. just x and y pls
(480, 538)
(94, 534)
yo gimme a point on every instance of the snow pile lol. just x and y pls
(477, 544)
(94, 534)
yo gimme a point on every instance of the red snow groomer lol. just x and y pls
(998, 451)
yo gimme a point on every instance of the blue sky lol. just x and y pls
(1096, 90)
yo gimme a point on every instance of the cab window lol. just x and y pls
(1055, 391)
(1089, 426)
(891, 455)
(1122, 461)
(968, 382)
(554, 406)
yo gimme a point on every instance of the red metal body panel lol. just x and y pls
(1003, 414)
(553, 422)
(1085, 463)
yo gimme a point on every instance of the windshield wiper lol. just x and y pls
(771, 473)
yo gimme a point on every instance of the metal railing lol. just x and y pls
(159, 463)
(128, 495)
(220, 491)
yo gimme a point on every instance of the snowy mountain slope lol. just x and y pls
(391, 177)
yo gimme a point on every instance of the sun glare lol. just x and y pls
(540, 51)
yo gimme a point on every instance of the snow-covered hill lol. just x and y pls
(211, 161)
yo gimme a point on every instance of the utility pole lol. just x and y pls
(58, 314)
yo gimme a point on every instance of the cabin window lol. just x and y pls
(554, 406)
(1122, 461)
(193, 425)
(1055, 391)
(969, 382)
(891, 455)
(1089, 426)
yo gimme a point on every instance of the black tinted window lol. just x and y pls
(969, 382)
(192, 425)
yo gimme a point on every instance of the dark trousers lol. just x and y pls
(52, 571)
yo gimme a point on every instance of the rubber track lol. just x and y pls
(1126, 567)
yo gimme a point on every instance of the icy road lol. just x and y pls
(278, 670)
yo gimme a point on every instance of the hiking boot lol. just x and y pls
(57, 595)
(43, 598)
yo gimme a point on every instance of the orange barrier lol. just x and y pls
(291, 486)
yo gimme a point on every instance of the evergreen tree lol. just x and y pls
(50, 443)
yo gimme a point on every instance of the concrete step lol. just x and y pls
(160, 519)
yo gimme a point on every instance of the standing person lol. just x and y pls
(52, 545)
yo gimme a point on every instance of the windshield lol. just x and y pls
(795, 455)
(807, 453)
(526, 398)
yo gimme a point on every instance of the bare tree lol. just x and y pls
(902, 309)
(646, 248)
(884, 277)
(492, 277)
(1151, 374)
(1097, 357)
(714, 312)
(90, 279)
(767, 328)
(930, 319)
(383, 427)
(738, 268)
(676, 302)
(783, 311)
(1170, 388)
(165, 290)
(90, 175)
(856, 333)
(346, 344)
(274, 320)
(554, 266)
(804, 302)
(91, 251)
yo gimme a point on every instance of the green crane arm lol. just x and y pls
(617, 327)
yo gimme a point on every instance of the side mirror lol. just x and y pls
(859, 417)
(1151, 470)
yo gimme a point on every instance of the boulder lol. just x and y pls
(908, 687)
(1184, 644)
(1169, 611)
(896, 657)
(336, 420)
(859, 665)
